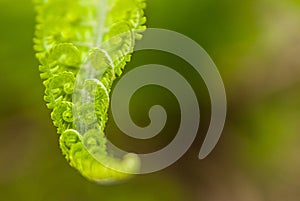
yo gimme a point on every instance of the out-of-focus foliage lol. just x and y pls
(255, 44)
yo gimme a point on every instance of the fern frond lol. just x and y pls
(71, 34)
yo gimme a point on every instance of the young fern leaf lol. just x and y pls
(80, 40)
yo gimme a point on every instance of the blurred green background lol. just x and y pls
(256, 46)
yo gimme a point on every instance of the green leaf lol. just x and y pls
(71, 38)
